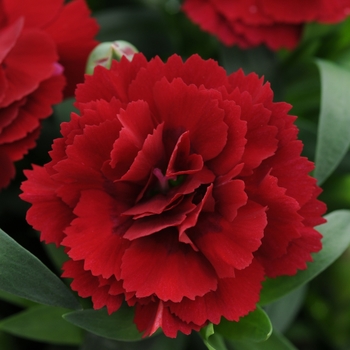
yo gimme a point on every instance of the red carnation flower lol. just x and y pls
(38, 41)
(275, 23)
(177, 190)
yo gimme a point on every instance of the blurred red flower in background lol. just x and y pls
(275, 23)
(44, 46)
(177, 190)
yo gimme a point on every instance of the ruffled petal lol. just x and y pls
(198, 113)
(87, 285)
(7, 170)
(234, 298)
(91, 236)
(73, 32)
(297, 255)
(24, 76)
(48, 213)
(229, 246)
(174, 272)
(37, 14)
(150, 317)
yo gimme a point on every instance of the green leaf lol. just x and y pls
(22, 274)
(336, 238)
(118, 326)
(256, 326)
(43, 323)
(6, 341)
(283, 311)
(334, 124)
(212, 340)
(15, 300)
(276, 342)
(158, 342)
(56, 255)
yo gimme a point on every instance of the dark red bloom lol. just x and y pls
(275, 23)
(42, 43)
(177, 190)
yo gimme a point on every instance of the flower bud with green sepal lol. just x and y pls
(103, 54)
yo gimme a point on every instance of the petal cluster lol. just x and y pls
(176, 189)
(43, 49)
(274, 23)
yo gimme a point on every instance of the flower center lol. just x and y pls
(166, 182)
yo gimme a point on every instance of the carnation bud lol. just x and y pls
(103, 54)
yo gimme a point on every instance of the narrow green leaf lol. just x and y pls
(6, 341)
(15, 300)
(22, 274)
(43, 323)
(56, 255)
(283, 311)
(334, 124)
(336, 238)
(118, 326)
(158, 342)
(212, 340)
(276, 342)
(256, 326)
